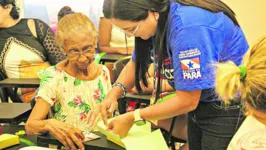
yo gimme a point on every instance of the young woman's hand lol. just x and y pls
(107, 108)
(93, 115)
(66, 134)
(122, 124)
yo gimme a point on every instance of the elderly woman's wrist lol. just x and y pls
(47, 125)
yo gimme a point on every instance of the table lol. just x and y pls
(112, 57)
(12, 129)
(98, 144)
(141, 98)
(31, 83)
(14, 112)
(20, 83)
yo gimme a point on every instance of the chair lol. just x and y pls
(118, 67)
(168, 135)
(171, 140)
(7, 92)
(98, 57)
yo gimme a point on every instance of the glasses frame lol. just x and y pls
(81, 53)
(126, 32)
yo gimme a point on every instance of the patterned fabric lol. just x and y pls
(72, 99)
(46, 37)
(20, 49)
(250, 136)
(22, 55)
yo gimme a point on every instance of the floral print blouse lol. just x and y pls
(250, 136)
(72, 99)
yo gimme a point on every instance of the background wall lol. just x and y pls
(251, 15)
(47, 10)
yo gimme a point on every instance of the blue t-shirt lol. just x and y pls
(197, 39)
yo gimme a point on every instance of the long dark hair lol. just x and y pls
(137, 10)
(15, 10)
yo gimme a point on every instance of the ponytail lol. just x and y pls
(228, 77)
(251, 88)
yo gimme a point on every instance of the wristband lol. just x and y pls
(122, 87)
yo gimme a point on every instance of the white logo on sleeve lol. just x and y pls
(190, 66)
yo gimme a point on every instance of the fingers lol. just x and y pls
(70, 137)
(93, 115)
(110, 126)
(60, 137)
(70, 143)
(112, 108)
(77, 141)
(92, 119)
(78, 133)
(89, 117)
(104, 114)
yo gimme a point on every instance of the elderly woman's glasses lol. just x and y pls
(131, 33)
(76, 55)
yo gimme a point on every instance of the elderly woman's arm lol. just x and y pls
(36, 123)
(65, 133)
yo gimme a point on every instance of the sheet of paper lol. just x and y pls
(89, 136)
(35, 148)
(109, 134)
(141, 135)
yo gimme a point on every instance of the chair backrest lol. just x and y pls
(119, 65)
(98, 57)
(7, 92)
(3, 91)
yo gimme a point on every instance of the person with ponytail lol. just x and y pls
(26, 46)
(247, 81)
(63, 12)
(183, 38)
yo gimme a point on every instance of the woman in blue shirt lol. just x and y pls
(185, 38)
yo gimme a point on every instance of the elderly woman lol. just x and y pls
(73, 87)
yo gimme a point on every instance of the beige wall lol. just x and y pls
(20, 4)
(251, 15)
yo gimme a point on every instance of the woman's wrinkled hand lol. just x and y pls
(68, 135)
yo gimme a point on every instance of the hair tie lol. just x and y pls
(243, 72)
(68, 12)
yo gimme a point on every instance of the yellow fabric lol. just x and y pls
(28, 70)
(7, 140)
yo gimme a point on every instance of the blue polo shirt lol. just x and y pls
(197, 39)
